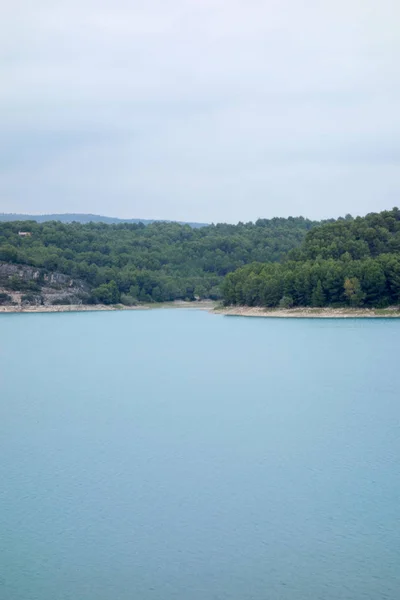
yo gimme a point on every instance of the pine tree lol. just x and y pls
(318, 297)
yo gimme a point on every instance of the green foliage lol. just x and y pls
(61, 301)
(107, 293)
(5, 298)
(159, 262)
(276, 262)
(17, 283)
(31, 298)
(360, 238)
(318, 295)
(8, 253)
(128, 300)
(286, 302)
(349, 261)
(353, 291)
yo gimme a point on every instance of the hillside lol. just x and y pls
(159, 262)
(82, 218)
(353, 262)
(24, 285)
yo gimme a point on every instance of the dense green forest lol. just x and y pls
(159, 262)
(353, 262)
(276, 262)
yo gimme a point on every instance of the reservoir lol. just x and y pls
(174, 454)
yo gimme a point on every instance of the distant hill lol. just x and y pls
(84, 218)
(132, 262)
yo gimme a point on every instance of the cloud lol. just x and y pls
(200, 110)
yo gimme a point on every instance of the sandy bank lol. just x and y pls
(18, 308)
(317, 313)
(64, 308)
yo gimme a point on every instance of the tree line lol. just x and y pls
(158, 262)
(353, 262)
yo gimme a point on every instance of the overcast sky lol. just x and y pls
(201, 110)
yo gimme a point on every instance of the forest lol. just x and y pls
(158, 262)
(272, 262)
(348, 262)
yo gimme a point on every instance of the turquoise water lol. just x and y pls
(178, 455)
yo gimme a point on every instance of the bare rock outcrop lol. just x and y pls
(29, 285)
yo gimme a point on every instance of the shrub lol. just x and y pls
(31, 299)
(61, 301)
(5, 298)
(128, 300)
(286, 302)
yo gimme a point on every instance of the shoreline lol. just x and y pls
(208, 305)
(310, 313)
(213, 308)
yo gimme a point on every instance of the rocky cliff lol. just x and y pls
(24, 285)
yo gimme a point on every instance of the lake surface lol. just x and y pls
(178, 455)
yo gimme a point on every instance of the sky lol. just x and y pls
(200, 110)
